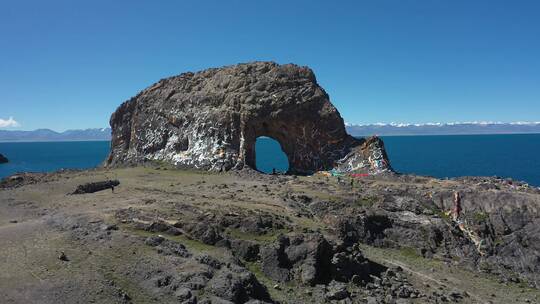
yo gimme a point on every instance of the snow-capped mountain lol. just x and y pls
(437, 128)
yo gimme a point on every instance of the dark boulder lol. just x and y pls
(238, 286)
(274, 260)
(96, 186)
(367, 228)
(311, 259)
(3, 159)
(205, 232)
(247, 250)
(337, 291)
(158, 226)
(167, 247)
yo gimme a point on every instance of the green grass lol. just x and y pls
(280, 295)
(442, 215)
(409, 252)
(480, 217)
(255, 268)
(106, 263)
(310, 223)
(191, 244)
(260, 238)
(134, 291)
(367, 201)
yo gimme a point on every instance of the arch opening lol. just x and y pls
(269, 156)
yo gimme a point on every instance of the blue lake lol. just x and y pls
(51, 156)
(515, 156)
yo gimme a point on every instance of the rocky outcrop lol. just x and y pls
(223, 282)
(312, 259)
(96, 186)
(497, 231)
(3, 159)
(211, 119)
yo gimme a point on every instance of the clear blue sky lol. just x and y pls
(69, 64)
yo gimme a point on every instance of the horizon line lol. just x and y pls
(435, 124)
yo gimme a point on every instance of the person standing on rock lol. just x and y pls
(456, 211)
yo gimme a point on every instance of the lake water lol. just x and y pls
(51, 156)
(515, 156)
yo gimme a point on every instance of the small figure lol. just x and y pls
(456, 211)
(112, 189)
(63, 257)
(273, 171)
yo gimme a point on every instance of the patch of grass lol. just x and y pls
(367, 201)
(159, 163)
(134, 291)
(442, 215)
(191, 244)
(480, 216)
(107, 263)
(525, 285)
(260, 238)
(409, 252)
(310, 223)
(255, 268)
(498, 242)
(281, 294)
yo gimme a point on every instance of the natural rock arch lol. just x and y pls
(211, 119)
(268, 155)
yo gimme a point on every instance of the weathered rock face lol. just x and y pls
(497, 232)
(3, 159)
(311, 259)
(211, 119)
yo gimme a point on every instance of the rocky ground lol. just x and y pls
(173, 236)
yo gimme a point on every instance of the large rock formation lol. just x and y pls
(3, 159)
(211, 119)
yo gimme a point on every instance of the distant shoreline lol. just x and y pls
(472, 128)
(450, 134)
(354, 135)
(381, 130)
(48, 141)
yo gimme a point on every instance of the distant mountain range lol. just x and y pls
(50, 135)
(381, 129)
(457, 128)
